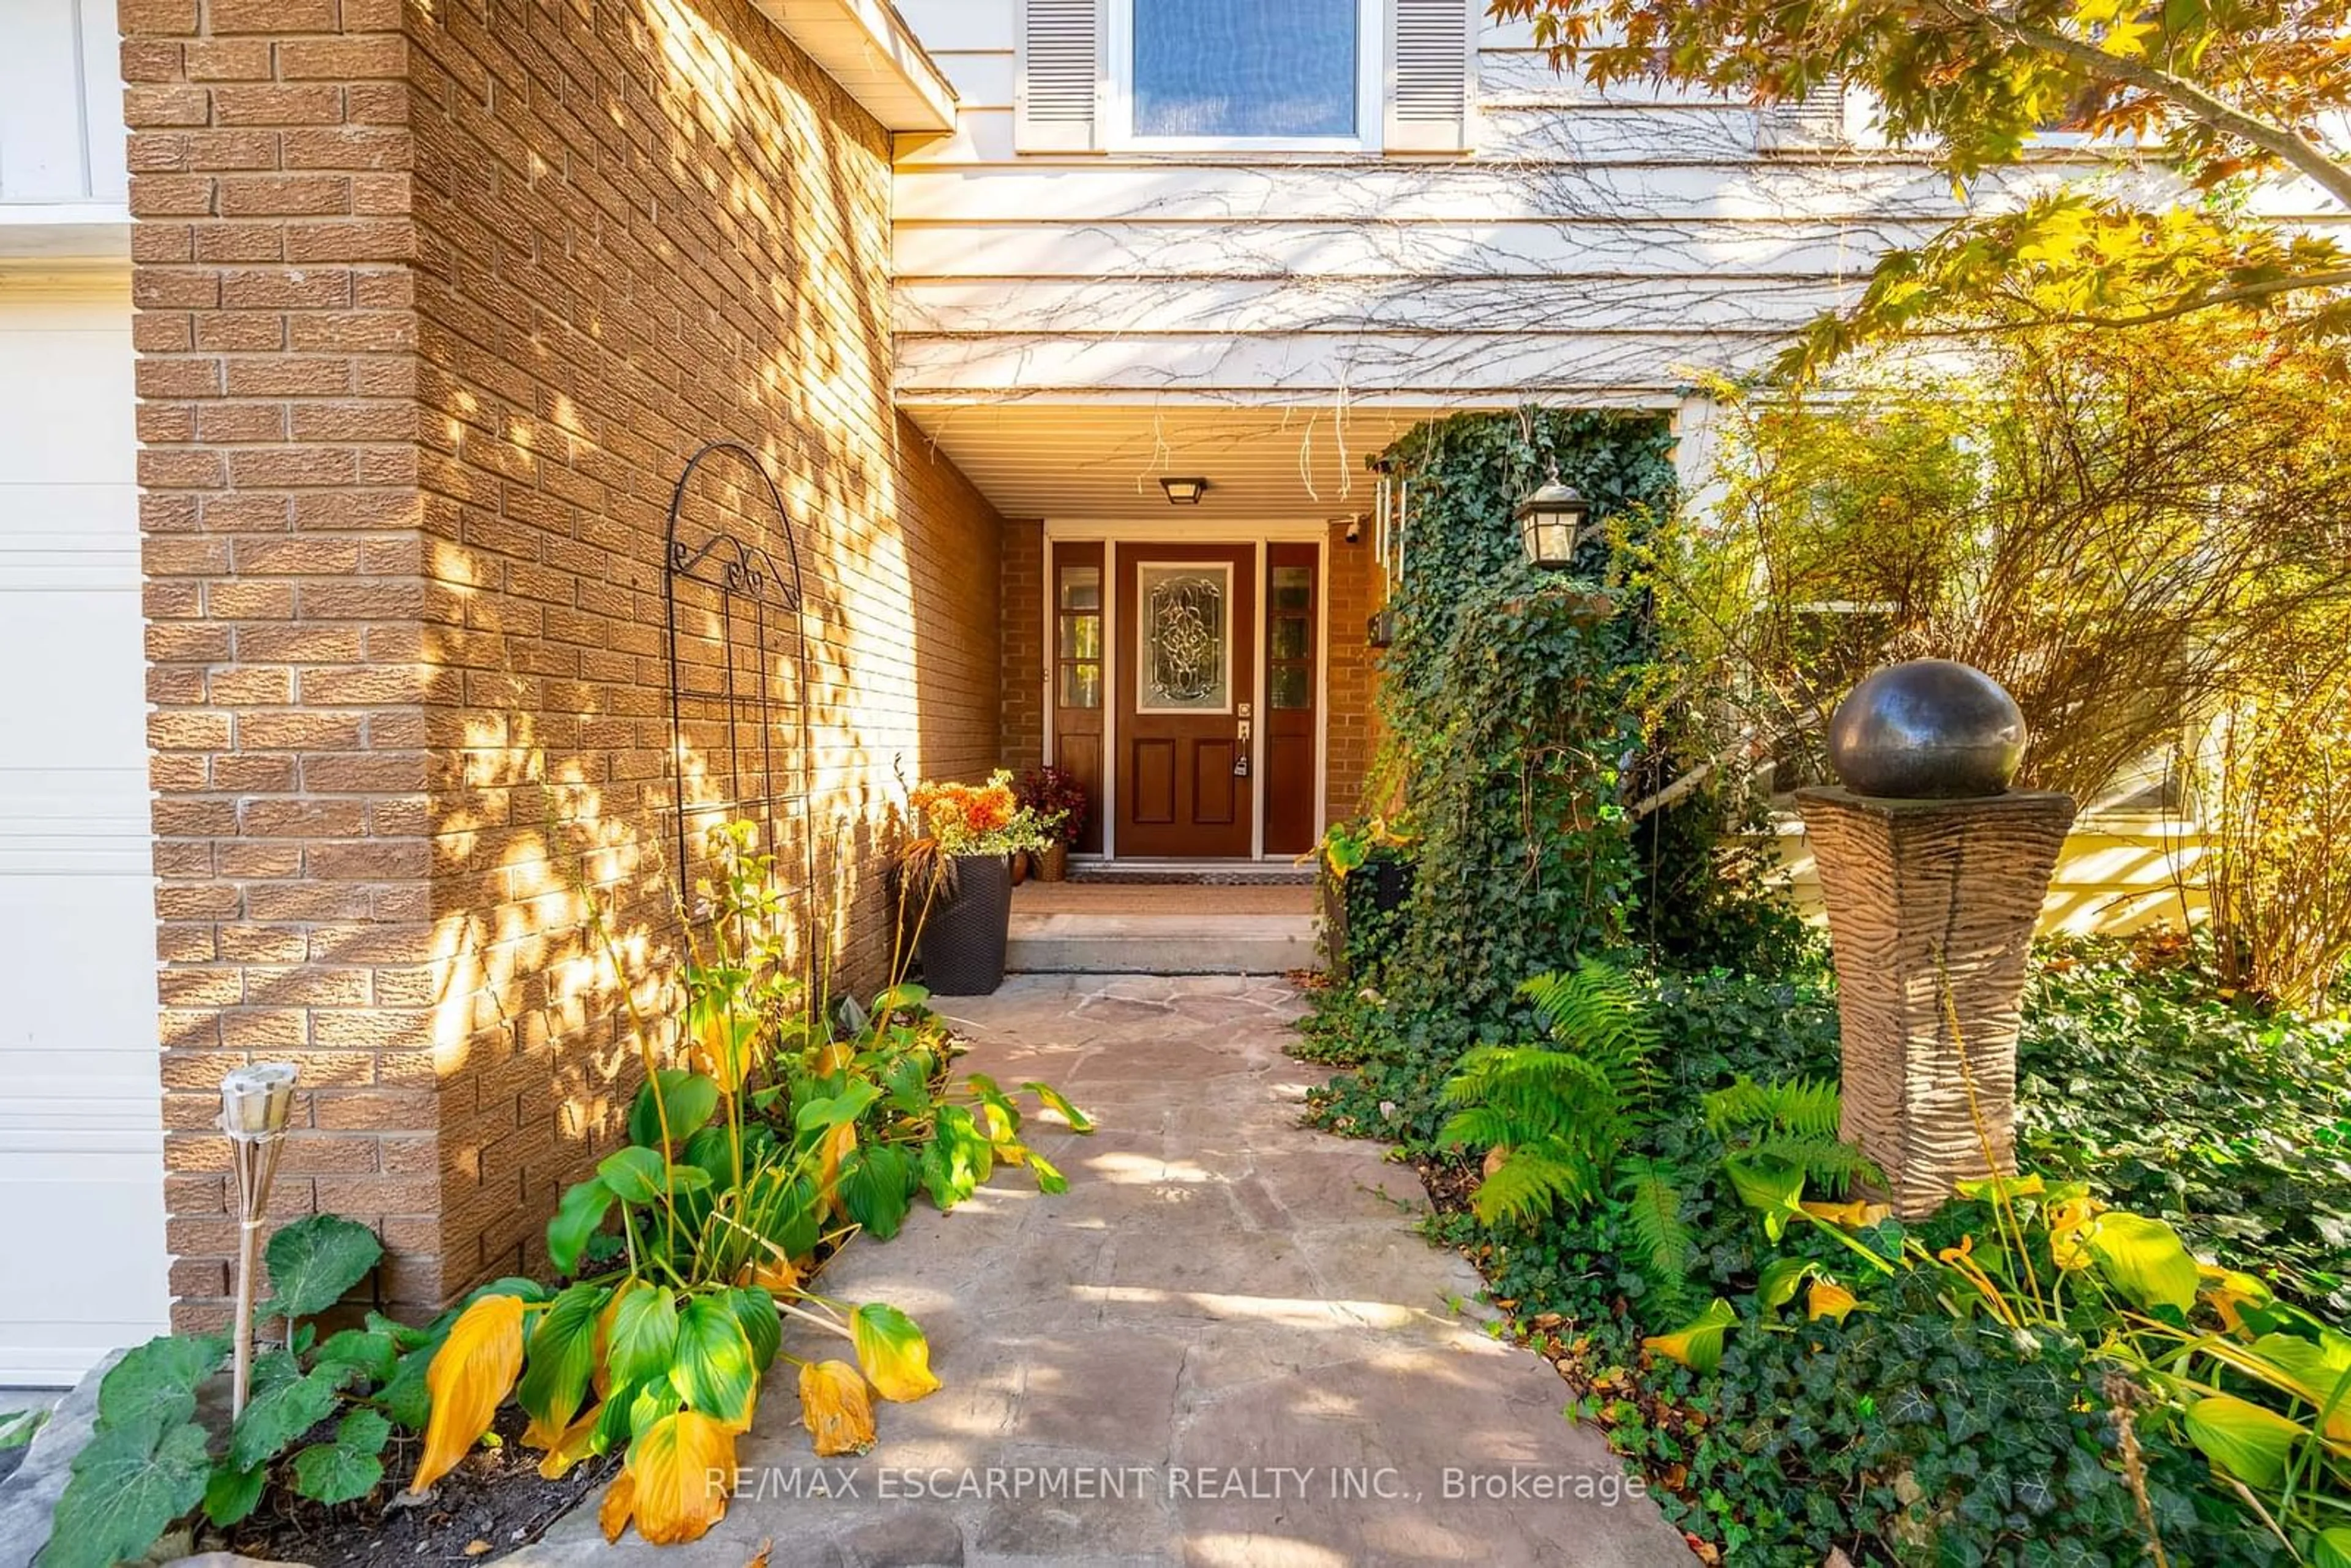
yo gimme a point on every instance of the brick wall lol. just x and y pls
(278, 470)
(1022, 617)
(433, 307)
(1355, 593)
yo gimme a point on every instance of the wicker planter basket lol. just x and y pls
(1053, 862)
(962, 943)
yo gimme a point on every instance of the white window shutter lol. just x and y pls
(1813, 123)
(1057, 100)
(1431, 74)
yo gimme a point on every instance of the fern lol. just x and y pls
(1562, 1111)
(1809, 1107)
(1538, 1091)
(1653, 1214)
(1826, 1163)
(1599, 1014)
(1792, 1124)
(1532, 1181)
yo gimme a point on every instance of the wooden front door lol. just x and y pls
(1186, 701)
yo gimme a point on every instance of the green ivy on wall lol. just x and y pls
(1465, 476)
(1508, 710)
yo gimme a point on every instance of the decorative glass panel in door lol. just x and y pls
(1183, 652)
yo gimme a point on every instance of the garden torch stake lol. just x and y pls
(255, 1102)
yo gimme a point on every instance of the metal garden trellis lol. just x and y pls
(750, 686)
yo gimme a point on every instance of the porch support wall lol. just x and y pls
(434, 304)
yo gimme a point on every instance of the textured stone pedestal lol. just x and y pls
(1921, 894)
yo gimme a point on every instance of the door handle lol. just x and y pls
(1240, 750)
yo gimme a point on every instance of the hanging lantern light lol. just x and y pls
(1551, 523)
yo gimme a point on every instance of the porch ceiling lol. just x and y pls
(1095, 462)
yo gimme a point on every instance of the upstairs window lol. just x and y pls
(1246, 75)
(1242, 69)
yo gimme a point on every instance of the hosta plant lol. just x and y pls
(797, 1125)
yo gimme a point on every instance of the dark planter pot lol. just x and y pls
(1390, 883)
(1359, 920)
(962, 944)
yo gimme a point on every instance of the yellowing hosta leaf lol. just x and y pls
(1853, 1216)
(2245, 1440)
(894, 1352)
(1827, 1298)
(468, 1380)
(724, 1047)
(836, 1409)
(2318, 1373)
(620, 1502)
(838, 1141)
(643, 1333)
(601, 1379)
(1780, 1279)
(2229, 1291)
(713, 1371)
(1698, 1346)
(560, 1360)
(575, 1443)
(2145, 1259)
(680, 1469)
(772, 1273)
(1982, 1187)
(1770, 1187)
(2069, 1224)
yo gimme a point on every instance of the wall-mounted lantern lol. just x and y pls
(1551, 523)
(1183, 492)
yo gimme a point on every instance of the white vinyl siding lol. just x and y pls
(1568, 245)
(1523, 236)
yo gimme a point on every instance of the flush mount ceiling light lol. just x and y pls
(1183, 492)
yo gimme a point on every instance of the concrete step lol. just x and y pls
(1161, 944)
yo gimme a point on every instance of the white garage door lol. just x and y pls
(81, 1166)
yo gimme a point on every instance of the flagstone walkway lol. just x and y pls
(1223, 1345)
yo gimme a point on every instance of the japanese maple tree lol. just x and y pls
(2222, 95)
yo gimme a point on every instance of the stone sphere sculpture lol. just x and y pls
(1931, 729)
